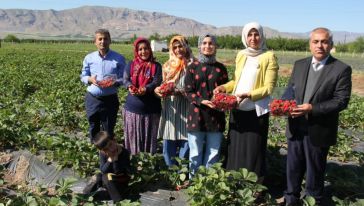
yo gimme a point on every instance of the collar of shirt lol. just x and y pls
(106, 54)
(322, 62)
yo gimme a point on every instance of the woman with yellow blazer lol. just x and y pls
(254, 80)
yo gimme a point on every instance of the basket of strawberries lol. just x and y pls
(133, 88)
(281, 107)
(224, 102)
(167, 89)
(107, 81)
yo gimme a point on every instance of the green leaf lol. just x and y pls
(90, 199)
(215, 176)
(182, 176)
(236, 175)
(174, 168)
(30, 201)
(245, 193)
(309, 201)
(184, 170)
(210, 196)
(53, 201)
(359, 202)
(244, 172)
(146, 177)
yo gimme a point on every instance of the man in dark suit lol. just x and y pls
(321, 85)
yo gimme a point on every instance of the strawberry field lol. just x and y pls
(42, 110)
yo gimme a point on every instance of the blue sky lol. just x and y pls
(283, 15)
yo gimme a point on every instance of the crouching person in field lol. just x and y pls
(114, 165)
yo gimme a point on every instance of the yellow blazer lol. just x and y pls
(266, 77)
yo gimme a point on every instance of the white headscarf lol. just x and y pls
(262, 46)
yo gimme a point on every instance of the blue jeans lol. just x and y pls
(204, 149)
(170, 150)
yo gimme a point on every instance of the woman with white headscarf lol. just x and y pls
(255, 77)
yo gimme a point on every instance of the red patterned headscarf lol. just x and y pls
(142, 71)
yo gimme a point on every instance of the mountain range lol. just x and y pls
(123, 23)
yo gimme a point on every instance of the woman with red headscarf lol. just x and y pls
(142, 108)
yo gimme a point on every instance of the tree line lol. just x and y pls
(234, 42)
(356, 46)
(225, 41)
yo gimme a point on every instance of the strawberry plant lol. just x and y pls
(176, 175)
(145, 171)
(216, 186)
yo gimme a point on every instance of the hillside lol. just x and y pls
(122, 22)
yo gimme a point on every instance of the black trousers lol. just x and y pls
(101, 112)
(303, 157)
(115, 188)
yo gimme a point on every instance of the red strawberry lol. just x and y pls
(280, 107)
(106, 83)
(134, 89)
(167, 89)
(224, 101)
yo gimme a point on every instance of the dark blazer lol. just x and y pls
(331, 95)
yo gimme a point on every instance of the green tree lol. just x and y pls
(11, 38)
(229, 42)
(341, 47)
(133, 39)
(169, 37)
(357, 46)
(285, 44)
(193, 40)
(155, 36)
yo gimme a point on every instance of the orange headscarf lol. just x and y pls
(173, 67)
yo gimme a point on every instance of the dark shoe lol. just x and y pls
(294, 204)
(259, 198)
